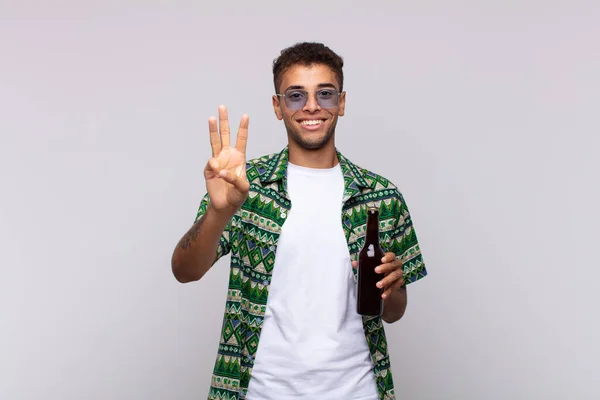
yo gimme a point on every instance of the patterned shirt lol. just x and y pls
(251, 237)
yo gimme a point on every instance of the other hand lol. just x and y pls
(393, 278)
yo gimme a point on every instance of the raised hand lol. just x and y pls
(225, 172)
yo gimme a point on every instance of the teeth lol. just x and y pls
(311, 122)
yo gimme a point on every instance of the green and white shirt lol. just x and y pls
(251, 237)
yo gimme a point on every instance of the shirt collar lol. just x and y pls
(274, 169)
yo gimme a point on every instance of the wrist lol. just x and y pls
(219, 217)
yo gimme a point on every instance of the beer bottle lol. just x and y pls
(369, 301)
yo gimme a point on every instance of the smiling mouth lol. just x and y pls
(312, 123)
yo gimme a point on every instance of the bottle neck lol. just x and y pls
(372, 227)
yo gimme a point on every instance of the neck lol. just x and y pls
(325, 157)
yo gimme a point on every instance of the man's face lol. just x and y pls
(312, 126)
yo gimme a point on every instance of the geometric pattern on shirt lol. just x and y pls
(251, 238)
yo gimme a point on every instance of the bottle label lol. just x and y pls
(371, 251)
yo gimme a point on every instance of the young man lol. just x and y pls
(294, 222)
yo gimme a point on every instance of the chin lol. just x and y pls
(314, 144)
(301, 138)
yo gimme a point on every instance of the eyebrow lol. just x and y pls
(320, 85)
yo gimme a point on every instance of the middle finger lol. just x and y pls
(388, 267)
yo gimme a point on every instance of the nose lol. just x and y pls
(311, 103)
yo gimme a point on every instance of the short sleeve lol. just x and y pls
(224, 246)
(403, 242)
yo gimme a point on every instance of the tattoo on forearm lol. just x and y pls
(190, 236)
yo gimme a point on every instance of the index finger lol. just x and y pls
(388, 257)
(242, 135)
(215, 141)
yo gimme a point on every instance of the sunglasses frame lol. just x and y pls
(337, 94)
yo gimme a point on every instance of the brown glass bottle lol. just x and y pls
(369, 301)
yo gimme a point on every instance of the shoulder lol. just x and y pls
(375, 181)
(261, 160)
(378, 181)
(259, 166)
(386, 195)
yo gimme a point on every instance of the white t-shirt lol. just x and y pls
(312, 344)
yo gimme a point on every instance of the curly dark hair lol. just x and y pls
(307, 54)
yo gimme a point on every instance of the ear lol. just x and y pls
(277, 107)
(342, 104)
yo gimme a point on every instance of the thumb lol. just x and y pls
(227, 176)
(240, 184)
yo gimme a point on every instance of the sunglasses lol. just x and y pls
(295, 99)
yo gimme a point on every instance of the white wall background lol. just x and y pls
(484, 113)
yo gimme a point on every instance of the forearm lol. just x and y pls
(394, 305)
(197, 249)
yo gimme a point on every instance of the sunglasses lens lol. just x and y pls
(295, 99)
(327, 98)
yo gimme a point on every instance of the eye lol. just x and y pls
(295, 95)
(326, 93)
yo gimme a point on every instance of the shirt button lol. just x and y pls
(272, 248)
(283, 214)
